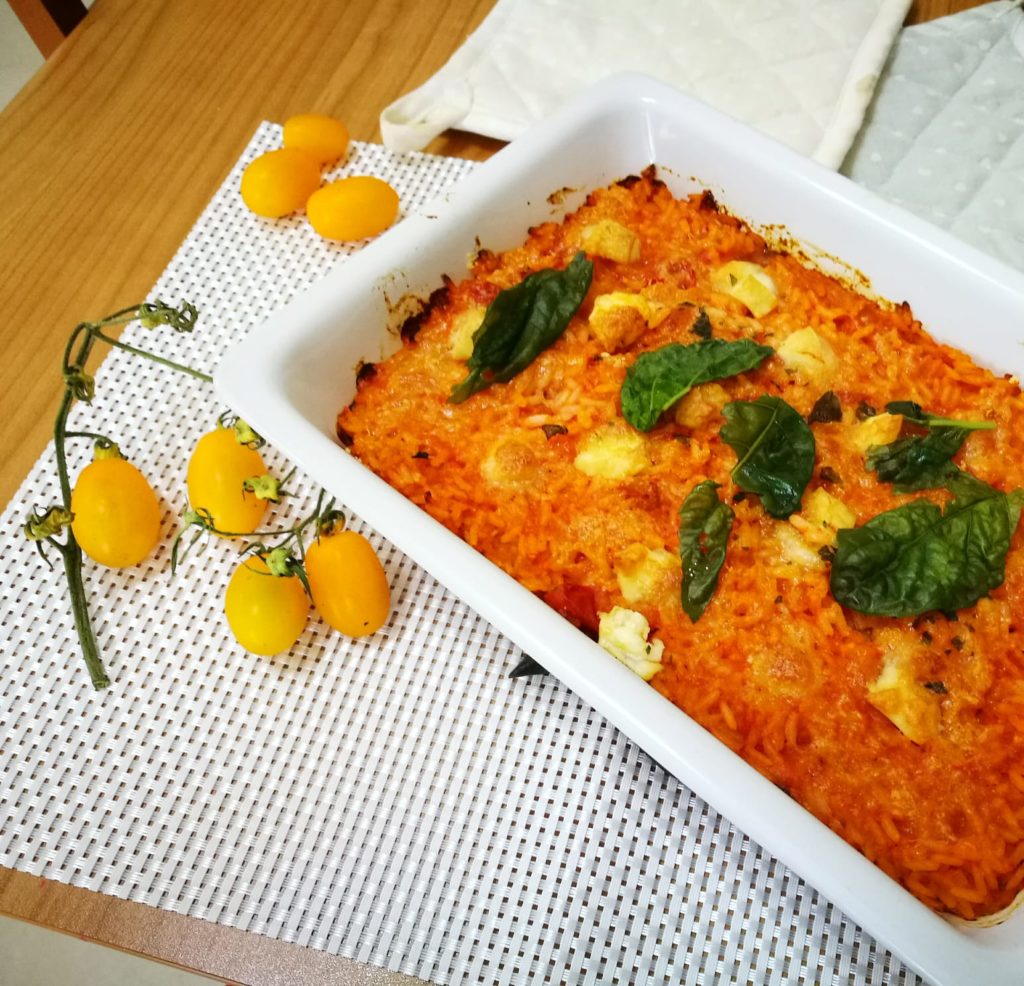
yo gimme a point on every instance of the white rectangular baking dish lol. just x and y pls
(292, 375)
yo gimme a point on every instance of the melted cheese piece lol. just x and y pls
(623, 633)
(794, 550)
(613, 451)
(808, 355)
(821, 517)
(750, 284)
(619, 318)
(645, 574)
(899, 696)
(879, 430)
(700, 405)
(460, 342)
(611, 240)
(515, 461)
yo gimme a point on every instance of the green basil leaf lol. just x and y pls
(917, 415)
(918, 558)
(660, 378)
(917, 462)
(704, 525)
(775, 448)
(521, 323)
(921, 462)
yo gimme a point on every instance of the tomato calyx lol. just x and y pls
(181, 319)
(104, 448)
(331, 521)
(244, 432)
(45, 526)
(49, 523)
(281, 564)
(82, 385)
(265, 487)
(198, 522)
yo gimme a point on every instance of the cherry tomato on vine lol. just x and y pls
(116, 513)
(280, 182)
(352, 208)
(322, 136)
(216, 471)
(267, 613)
(348, 584)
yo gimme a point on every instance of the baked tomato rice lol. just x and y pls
(902, 734)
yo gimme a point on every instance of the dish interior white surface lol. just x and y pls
(291, 377)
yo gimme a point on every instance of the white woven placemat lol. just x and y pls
(399, 800)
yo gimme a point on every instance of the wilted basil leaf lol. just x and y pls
(775, 449)
(918, 558)
(911, 410)
(521, 323)
(704, 525)
(917, 415)
(702, 326)
(826, 408)
(551, 430)
(917, 462)
(921, 462)
(660, 378)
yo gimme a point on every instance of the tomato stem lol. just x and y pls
(71, 553)
(180, 367)
(292, 539)
(80, 609)
(95, 436)
(77, 384)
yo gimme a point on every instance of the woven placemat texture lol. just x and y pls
(396, 800)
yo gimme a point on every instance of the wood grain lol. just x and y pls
(224, 953)
(116, 145)
(107, 157)
(39, 25)
(929, 10)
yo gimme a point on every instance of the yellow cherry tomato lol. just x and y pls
(216, 471)
(322, 136)
(347, 580)
(352, 208)
(267, 613)
(117, 516)
(280, 182)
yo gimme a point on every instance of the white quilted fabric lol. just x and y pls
(945, 136)
(803, 71)
(396, 800)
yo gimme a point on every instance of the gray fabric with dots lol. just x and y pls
(945, 135)
(396, 800)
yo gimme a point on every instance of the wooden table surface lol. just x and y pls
(107, 158)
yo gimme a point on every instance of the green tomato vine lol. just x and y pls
(47, 527)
